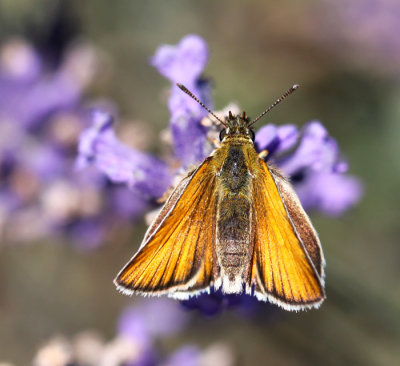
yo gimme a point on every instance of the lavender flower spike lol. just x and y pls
(330, 192)
(276, 139)
(315, 168)
(184, 64)
(185, 356)
(42, 95)
(141, 172)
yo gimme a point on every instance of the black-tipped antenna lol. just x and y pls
(188, 92)
(286, 94)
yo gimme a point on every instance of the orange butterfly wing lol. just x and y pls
(282, 269)
(177, 254)
(300, 220)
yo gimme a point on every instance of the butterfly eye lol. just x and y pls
(222, 134)
(252, 134)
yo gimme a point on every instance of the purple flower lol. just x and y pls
(30, 160)
(276, 139)
(315, 167)
(41, 118)
(42, 94)
(127, 204)
(144, 323)
(214, 303)
(19, 61)
(137, 342)
(141, 172)
(152, 318)
(131, 325)
(184, 64)
(185, 356)
(329, 192)
(316, 151)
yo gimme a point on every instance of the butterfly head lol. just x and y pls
(237, 126)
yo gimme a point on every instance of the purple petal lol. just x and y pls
(189, 136)
(40, 99)
(18, 60)
(126, 204)
(152, 318)
(162, 316)
(27, 95)
(330, 193)
(185, 356)
(142, 172)
(9, 201)
(46, 162)
(184, 62)
(317, 150)
(276, 139)
(132, 326)
(101, 122)
(216, 302)
(189, 139)
(88, 234)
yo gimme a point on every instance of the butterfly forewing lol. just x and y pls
(177, 253)
(282, 269)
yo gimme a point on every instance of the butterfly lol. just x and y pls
(235, 224)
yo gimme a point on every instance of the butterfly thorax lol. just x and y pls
(236, 156)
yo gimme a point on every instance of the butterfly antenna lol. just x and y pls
(188, 92)
(286, 94)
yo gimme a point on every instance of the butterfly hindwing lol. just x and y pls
(177, 252)
(300, 220)
(283, 271)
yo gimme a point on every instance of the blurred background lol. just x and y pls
(60, 58)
